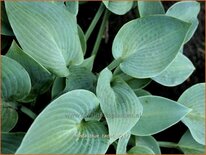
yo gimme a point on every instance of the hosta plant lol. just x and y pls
(91, 112)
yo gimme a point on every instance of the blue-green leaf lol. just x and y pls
(194, 98)
(82, 39)
(10, 142)
(73, 7)
(150, 8)
(16, 83)
(141, 92)
(119, 104)
(158, 114)
(122, 143)
(146, 46)
(58, 87)
(118, 7)
(186, 11)
(48, 33)
(41, 79)
(60, 128)
(140, 150)
(177, 72)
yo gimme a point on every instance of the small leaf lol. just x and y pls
(122, 144)
(161, 113)
(148, 45)
(189, 146)
(82, 39)
(186, 11)
(142, 92)
(88, 63)
(48, 33)
(140, 150)
(41, 79)
(118, 7)
(150, 8)
(72, 7)
(9, 116)
(149, 142)
(11, 141)
(177, 72)
(80, 78)
(63, 130)
(16, 83)
(58, 87)
(194, 98)
(119, 104)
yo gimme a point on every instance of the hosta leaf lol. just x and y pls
(122, 144)
(41, 79)
(10, 142)
(63, 130)
(189, 146)
(142, 92)
(118, 7)
(80, 78)
(58, 87)
(16, 82)
(88, 63)
(177, 72)
(5, 26)
(140, 150)
(194, 98)
(82, 39)
(161, 113)
(119, 104)
(148, 141)
(48, 33)
(150, 8)
(9, 116)
(148, 45)
(186, 11)
(73, 7)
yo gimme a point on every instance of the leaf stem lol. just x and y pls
(114, 64)
(168, 144)
(100, 33)
(94, 21)
(28, 112)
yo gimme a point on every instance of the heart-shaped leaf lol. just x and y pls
(118, 7)
(177, 72)
(161, 113)
(146, 46)
(122, 143)
(48, 33)
(119, 104)
(189, 146)
(41, 79)
(16, 83)
(149, 142)
(140, 150)
(73, 7)
(194, 98)
(150, 8)
(10, 142)
(186, 11)
(60, 128)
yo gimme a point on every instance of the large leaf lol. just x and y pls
(177, 72)
(140, 150)
(122, 144)
(194, 98)
(159, 114)
(41, 79)
(186, 11)
(10, 142)
(16, 83)
(189, 146)
(119, 104)
(58, 87)
(60, 128)
(150, 8)
(118, 7)
(80, 78)
(142, 92)
(73, 7)
(148, 141)
(5, 26)
(9, 116)
(148, 45)
(48, 33)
